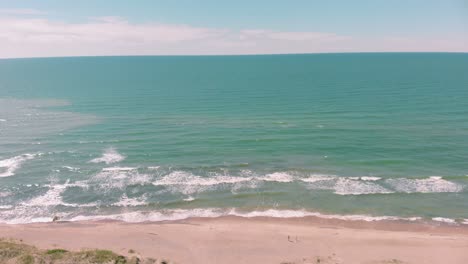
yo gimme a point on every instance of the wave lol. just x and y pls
(50, 198)
(277, 177)
(369, 178)
(69, 168)
(118, 178)
(9, 166)
(186, 178)
(370, 185)
(346, 186)
(125, 201)
(183, 186)
(109, 156)
(317, 178)
(53, 196)
(434, 184)
(119, 169)
(187, 183)
(25, 216)
(189, 199)
(360, 185)
(445, 220)
(181, 214)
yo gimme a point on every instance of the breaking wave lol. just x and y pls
(117, 191)
(434, 184)
(125, 201)
(185, 178)
(9, 166)
(109, 156)
(181, 214)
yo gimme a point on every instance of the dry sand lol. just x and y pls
(258, 240)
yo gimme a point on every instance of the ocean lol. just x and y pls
(368, 136)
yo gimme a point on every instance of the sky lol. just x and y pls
(49, 28)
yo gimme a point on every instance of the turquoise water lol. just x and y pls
(154, 138)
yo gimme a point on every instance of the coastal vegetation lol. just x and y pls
(12, 252)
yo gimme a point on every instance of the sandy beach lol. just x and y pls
(257, 240)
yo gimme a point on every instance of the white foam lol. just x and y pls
(187, 183)
(109, 156)
(111, 175)
(277, 177)
(444, 220)
(347, 186)
(318, 177)
(189, 199)
(363, 178)
(153, 167)
(434, 184)
(119, 169)
(50, 198)
(180, 214)
(2, 120)
(128, 202)
(110, 178)
(74, 169)
(247, 173)
(369, 178)
(154, 216)
(5, 194)
(6, 206)
(53, 196)
(9, 166)
(81, 184)
(185, 178)
(303, 213)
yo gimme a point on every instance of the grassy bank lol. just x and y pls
(13, 252)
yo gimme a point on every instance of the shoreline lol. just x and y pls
(173, 215)
(233, 239)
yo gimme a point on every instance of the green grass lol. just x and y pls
(27, 259)
(56, 251)
(17, 252)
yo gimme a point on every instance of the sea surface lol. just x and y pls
(367, 136)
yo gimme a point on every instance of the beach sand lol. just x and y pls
(257, 240)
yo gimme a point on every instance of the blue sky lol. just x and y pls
(118, 27)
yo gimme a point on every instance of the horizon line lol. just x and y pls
(233, 55)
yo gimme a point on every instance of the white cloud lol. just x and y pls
(107, 30)
(293, 36)
(26, 36)
(20, 11)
